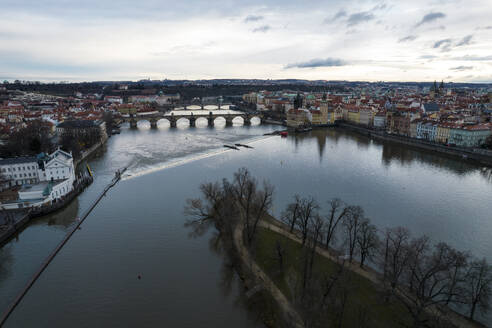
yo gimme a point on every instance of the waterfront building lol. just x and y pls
(45, 178)
(298, 117)
(413, 128)
(82, 127)
(366, 117)
(380, 120)
(470, 135)
(442, 133)
(353, 116)
(17, 171)
(427, 130)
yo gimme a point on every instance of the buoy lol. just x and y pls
(139, 277)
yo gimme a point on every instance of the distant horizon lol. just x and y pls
(12, 81)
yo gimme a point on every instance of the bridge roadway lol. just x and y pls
(191, 116)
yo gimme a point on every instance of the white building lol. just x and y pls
(19, 171)
(44, 178)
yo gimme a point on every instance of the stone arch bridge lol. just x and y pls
(191, 116)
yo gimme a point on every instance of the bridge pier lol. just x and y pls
(133, 124)
(192, 120)
(229, 120)
(210, 121)
(247, 120)
(153, 124)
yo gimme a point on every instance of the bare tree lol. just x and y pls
(262, 204)
(396, 254)
(315, 228)
(428, 279)
(351, 223)
(456, 275)
(478, 286)
(291, 213)
(308, 209)
(334, 217)
(244, 189)
(367, 240)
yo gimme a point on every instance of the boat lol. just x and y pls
(284, 134)
(242, 145)
(231, 147)
(303, 129)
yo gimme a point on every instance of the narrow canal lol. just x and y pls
(138, 229)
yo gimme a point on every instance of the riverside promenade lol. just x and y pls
(477, 155)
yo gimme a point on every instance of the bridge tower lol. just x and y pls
(210, 119)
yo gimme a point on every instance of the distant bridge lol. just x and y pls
(191, 115)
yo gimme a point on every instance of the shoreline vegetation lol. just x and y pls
(334, 268)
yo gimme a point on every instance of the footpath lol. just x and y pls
(263, 281)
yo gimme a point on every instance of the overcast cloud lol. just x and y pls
(372, 40)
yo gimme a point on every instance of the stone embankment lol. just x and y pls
(481, 156)
(89, 151)
(18, 219)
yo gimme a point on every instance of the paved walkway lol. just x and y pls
(290, 314)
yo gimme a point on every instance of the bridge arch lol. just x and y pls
(183, 121)
(142, 123)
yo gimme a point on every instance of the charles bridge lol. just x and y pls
(191, 115)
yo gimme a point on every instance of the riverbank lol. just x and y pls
(255, 280)
(366, 273)
(21, 218)
(480, 156)
(90, 151)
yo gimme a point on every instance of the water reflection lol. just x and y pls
(391, 152)
(61, 219)
(6, 261)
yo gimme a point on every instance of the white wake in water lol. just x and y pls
(181, 161)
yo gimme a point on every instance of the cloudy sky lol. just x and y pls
(418, 40)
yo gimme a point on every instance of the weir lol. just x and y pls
(53, 254)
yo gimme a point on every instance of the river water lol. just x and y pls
(138, 228)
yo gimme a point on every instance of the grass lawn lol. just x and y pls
(362, 291)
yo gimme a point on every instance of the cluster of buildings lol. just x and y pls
(458, 117)
(37, 180)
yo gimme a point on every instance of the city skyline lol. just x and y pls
(335, 40)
